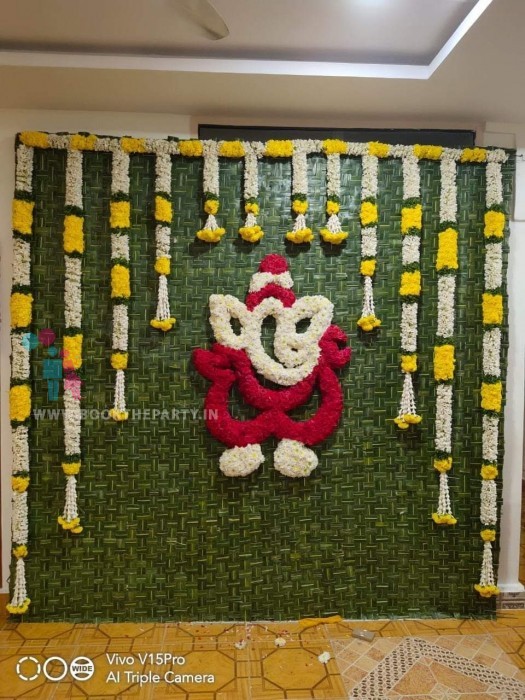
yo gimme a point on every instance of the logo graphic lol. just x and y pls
(55, 367)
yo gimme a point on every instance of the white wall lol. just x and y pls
(507, 135)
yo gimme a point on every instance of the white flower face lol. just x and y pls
(297, 353)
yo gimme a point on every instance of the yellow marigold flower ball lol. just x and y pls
(73, 234)
(380, 150)
(119, 360)
(163, 266)
(488, 535)
(491, 396)
(410, 283)
(368, 213)
(332, 237)
(211, 206)
(251, 208)
(20, 551)
(409, 363)
(444, 362)
(368, 323)
(162, 325)
(120, 283)
(191, 148)
(492, 308)
(443, 465)
(117, 415)
(71, 468)
(252, 234)
(331, 146)
(486, 591)
(303, 235)
(163, 210)
(474, 155)
(444, 519)
(22, 218)
(35, 139)
(300, 206)
(367, 268)
(412, 418)
(19, 402)
(132, 145)
(279, 149)
(494, 224)
(211, 235)
(332, 207)
(447, 256)
(120, 214)
(83, 143)
(73, 351)
(19, 483)
(428, 152)
(21, 306)
(231, 149)
(489, 472)
(411, 217)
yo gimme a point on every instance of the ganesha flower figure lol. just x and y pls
(304, 362)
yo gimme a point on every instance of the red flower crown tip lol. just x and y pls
(273, 263)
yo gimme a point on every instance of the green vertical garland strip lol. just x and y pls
(21, 306)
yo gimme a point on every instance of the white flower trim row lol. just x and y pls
(163, 220)
(120, 221)
(491, 387)
(368, 217)
(73, 252)
(298, 352)
(20, 392)
(410, 289)
(444, 350)
(251, 231)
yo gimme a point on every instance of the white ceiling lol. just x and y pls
(363, 31)
(481, 80)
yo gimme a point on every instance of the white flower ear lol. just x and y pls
(224, 308)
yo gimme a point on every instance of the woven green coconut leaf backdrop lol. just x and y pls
(166, 535)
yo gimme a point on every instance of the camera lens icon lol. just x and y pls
(82, 668)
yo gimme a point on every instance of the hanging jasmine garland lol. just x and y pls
(300, 232)
(251, 231)
(211, 232)
(20, 391)
(73, 251)
(444, 350)
(120, 210)
(368, 216)
(491, 387)
(410, 288)
(333, 233)
(163, 320)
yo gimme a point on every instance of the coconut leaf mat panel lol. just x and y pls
(166, 535)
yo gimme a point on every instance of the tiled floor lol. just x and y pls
(439, 659)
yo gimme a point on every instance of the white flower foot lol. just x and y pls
(241, 461)
(293, 459)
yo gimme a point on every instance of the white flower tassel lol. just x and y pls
(300, 232)
(19, 601)
(120, 393)
(486, 579)
(71, 507)
(444, 505)
(368, 298)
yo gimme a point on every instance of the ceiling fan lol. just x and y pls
(202, 14)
